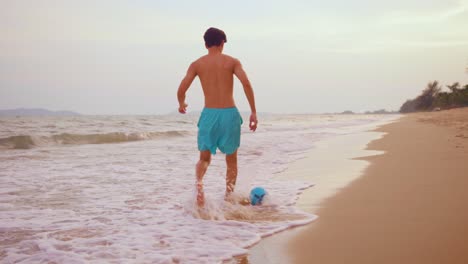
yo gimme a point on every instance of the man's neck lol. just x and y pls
(214, 50)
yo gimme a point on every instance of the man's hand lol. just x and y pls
(183, 108)
(253, 122)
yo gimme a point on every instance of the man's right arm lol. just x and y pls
(249, 93)
(183, 87)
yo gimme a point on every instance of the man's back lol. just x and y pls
(216, 76)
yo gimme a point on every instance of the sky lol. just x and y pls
(128, 57)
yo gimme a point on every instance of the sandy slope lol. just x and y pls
(411, 204)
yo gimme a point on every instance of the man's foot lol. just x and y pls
(200, 195)
(228, 197)
(236, 199)
(245, 201)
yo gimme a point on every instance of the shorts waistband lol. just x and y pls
(228, 109)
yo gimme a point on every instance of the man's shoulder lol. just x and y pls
(199, 59)
(229, 57)
(196, 63)
(233, 62)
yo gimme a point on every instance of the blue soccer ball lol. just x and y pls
(256, 195)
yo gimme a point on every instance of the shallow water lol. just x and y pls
(119, 189)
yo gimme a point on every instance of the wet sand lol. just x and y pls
(409, 206)
(330, 167)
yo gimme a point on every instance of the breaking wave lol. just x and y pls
(28, 141)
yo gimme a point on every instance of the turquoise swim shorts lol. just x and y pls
(219, 128)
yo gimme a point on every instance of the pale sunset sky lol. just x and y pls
(128, 57)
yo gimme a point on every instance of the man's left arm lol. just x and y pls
(249, 93)
(184, 86)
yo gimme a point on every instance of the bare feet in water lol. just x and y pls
(200, 195)
(236, 199)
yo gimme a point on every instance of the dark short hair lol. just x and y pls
(214, 37)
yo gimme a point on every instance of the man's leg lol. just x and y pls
(202, 166)
(231, 172)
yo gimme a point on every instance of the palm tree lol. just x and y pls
(426, 99)
(455, 87)
(432, 97)
(432, 88)
(454, 96)
(464, 95)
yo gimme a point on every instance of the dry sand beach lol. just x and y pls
(409, 206)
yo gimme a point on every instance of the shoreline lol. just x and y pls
(324, 165)
(409, 205)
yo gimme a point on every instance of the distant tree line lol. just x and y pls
(432, 98)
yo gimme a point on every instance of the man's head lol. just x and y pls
(214, 37)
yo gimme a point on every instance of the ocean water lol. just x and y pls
(120, 189)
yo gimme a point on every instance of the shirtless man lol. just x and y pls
(219, 125)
